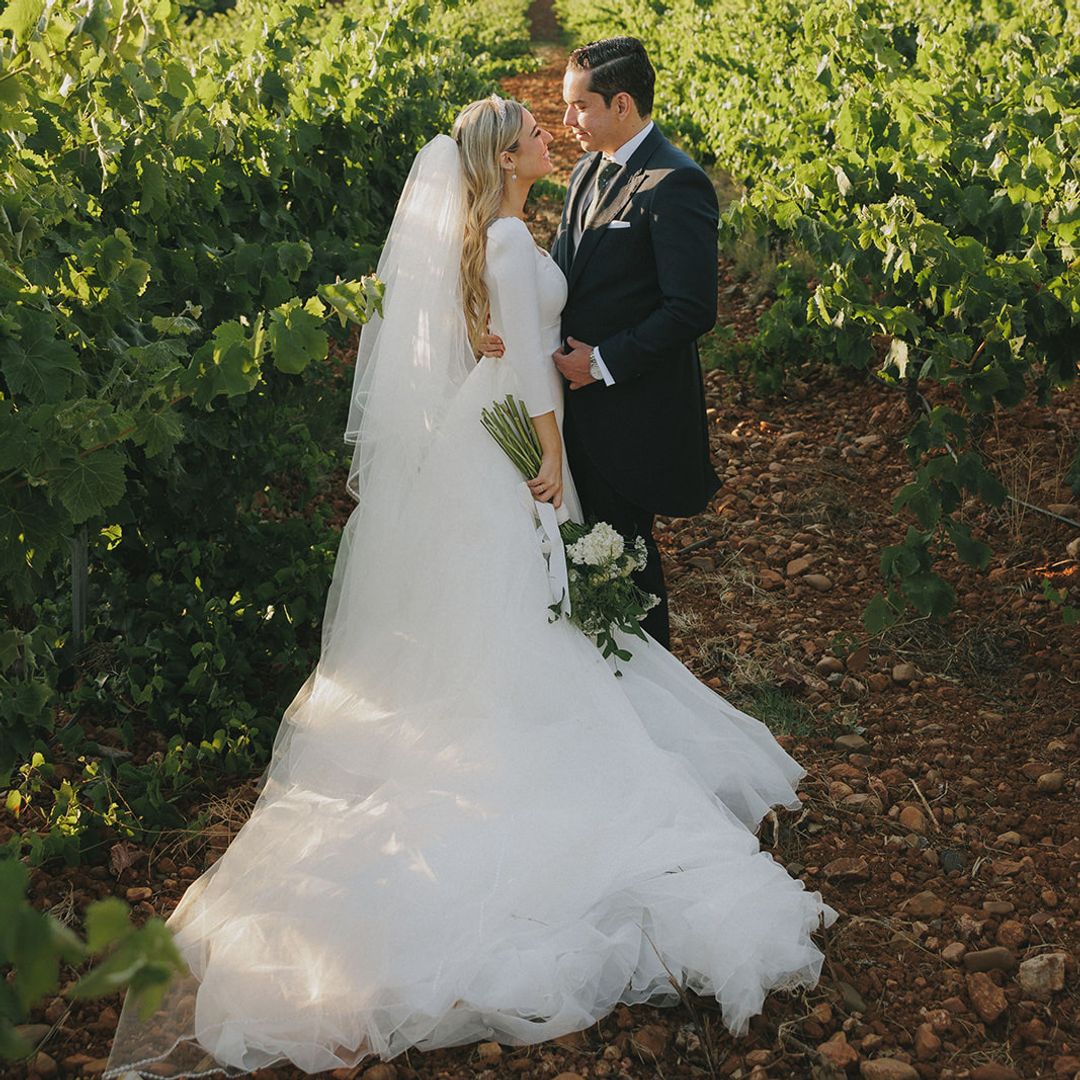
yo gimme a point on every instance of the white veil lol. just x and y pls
(413, 357)
(411, 361)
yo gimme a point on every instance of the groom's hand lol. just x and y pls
(574, 365)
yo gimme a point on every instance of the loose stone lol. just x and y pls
(987, 998)
(923, 905)
(1043, 975)
(887, 1069)
(838, 1052)
(848, 869)
(904, 673)
(1051, 782)
(994, 959)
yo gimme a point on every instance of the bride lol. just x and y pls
(470, 828)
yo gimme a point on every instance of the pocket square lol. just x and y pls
(618, 224)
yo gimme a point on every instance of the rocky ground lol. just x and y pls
(940, 805)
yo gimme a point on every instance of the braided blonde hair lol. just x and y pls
(483, 130)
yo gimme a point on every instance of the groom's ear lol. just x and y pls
(624, 105)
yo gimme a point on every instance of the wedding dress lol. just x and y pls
(470, 827)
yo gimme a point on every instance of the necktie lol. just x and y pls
(592, 198)
(604, 177)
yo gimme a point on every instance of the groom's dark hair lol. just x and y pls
(618, 65)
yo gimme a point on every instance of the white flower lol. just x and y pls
(610, 540)
(581, 551)
(602, 544)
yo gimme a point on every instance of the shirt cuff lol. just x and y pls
(608, 380)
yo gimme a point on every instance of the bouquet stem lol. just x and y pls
(604, 597)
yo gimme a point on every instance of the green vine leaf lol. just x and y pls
(20, 17)
(38, 363)
(159, 432)
(88, 484)
(296, 337)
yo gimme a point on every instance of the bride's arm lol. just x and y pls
(515, 305)
(514, 291)
(548, 484)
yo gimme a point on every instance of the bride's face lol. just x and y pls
(531, 160)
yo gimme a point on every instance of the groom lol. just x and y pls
(637, 243)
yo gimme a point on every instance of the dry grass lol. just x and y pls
(974, 655)
(728, 585)
(64, 909)
(684, 621)
(826, 501)
(718, 654)
(1019, 472)
(214, 826)
(754, 261)
(1032, 466)
(755, 256)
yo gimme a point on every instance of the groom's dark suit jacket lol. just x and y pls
(644, 292)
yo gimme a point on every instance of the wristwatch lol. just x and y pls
(594, 366)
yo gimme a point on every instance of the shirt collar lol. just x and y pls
(625, 152)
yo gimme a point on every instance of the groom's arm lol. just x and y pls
(683, 229)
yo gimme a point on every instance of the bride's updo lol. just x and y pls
(483, 130)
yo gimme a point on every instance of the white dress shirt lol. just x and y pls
(621, 157)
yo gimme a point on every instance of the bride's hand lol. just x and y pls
(548, 484)
(491, 345)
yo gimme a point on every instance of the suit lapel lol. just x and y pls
(597, 223)
(613, 202)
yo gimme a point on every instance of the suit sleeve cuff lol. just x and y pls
(608, 380)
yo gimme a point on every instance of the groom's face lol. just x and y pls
(595, 125)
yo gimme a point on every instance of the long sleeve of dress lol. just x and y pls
(514, 289)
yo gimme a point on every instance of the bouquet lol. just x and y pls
(603, 597)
